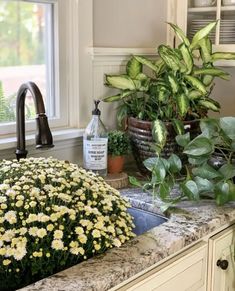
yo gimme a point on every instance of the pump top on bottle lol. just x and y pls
(95, 144)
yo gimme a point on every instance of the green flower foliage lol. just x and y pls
(118, 143)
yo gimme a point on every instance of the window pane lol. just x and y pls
(26, 54)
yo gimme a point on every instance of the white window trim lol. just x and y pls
(75, 23)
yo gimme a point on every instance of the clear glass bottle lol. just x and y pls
(95, 144)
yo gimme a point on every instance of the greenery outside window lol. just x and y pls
(32, 48)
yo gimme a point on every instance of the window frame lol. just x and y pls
(66, 18)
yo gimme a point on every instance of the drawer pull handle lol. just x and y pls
(223, 264)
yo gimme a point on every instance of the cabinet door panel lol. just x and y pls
(187, 273)
(222, 247)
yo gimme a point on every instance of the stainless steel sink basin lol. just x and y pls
(144, 220)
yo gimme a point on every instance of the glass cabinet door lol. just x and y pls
(202, 12)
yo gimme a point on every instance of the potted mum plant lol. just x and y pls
(118, 147)
(54, 215)
(173, 98)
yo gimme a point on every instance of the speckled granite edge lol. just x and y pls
(187, 224)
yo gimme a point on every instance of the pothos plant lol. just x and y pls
(205, 177)
(178, 87)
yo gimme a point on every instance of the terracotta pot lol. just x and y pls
(115, 164)
(140, 133)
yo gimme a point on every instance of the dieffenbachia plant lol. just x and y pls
(179, 86)
(210, 169)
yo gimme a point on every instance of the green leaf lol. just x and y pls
(134, 181)
(209, 104)
(157, 167)
(180, 34)
(159, 133)
(190, 190)
(206, 172)
(223, 56)
(133, 68)
(198, 160)
(227, 171)
(231, 190)
(165, 163)
(163, 93)
(209, 127)
(151, 163)
(120, 82)
(196, 83)
(222, 190)
(187, 57)
(199, 146)
(213, 72)
(122, 113)
(117, 97)
(205, 49)
(173, 83)
(194, 94)
(202, 33)
(204, 185)
(175, 163)
(228, 126)
(147, 63)
(141, 77)
(183, 139)
(207, 80)
(178, 126)
(170, 57)
(164, 190)
(182, 104)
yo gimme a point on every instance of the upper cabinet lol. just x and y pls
(192, 15)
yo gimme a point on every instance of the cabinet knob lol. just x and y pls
(223, 264)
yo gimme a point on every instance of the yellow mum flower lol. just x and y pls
(81, 251)
(6, 262)
(2, 251)
(79, 230)
(3, 206)
(96, 233)
(82, 238)
(50, 227)
(97, 247)
(57, 244)
(19, 203)
(41, 232)
(58, 234)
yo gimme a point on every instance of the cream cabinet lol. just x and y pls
(192, 15)
(207, 266)
(221, 261)
(185, 272)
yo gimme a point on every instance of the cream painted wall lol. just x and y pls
(129, 23)
(224, 92)
(142, 24)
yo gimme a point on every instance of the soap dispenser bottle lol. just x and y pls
(95, 144)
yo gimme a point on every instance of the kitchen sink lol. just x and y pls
(144, 220)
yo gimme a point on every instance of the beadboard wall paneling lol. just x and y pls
(111, 61)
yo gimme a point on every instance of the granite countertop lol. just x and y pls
(187, 223)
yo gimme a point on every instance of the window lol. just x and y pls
(32, 48)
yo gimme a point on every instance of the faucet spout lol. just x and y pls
(43, 136)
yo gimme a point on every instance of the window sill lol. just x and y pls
(59, 135)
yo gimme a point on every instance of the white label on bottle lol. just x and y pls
(95, 154)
